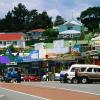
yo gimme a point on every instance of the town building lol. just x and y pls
(96, 42)
(70, 29)
(15, 39)
(36, 33)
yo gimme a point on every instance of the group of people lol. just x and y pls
(13, 76)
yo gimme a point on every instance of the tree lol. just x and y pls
(31, 19)
(59, 20)
(20, 19)
(20, 13)
(51, 33)
(9, 25)
(44, 21)
(91, 18)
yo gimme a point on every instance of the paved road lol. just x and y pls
(86, 88)
(49, 91)
(6, 94)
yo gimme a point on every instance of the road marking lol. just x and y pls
(25, 94)
(72, 90)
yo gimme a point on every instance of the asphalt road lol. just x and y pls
(6, 94)
(85, 88)
(54, 91)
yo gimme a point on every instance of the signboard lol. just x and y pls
(12, 63)
(76, 48)
(39, 46)
(58, 43)
(34, 54)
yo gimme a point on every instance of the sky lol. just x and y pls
(66, 8)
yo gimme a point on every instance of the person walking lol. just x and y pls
(18, 77)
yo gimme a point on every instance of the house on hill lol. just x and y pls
(36, 33)
(70, 29)
(96, 42)
(15, 39)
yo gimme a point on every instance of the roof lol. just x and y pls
(38, 30)
(96, 38)
(69, 32)
(10, 36)
(84, 65)
(73, 22)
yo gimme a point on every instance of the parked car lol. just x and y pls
(84, 75)
(31, 78)
(57, 77)
(91, 74)
(62, 75)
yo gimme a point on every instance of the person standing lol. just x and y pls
(18, 77)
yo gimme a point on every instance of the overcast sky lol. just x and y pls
(65, 8)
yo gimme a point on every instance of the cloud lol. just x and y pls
(53, 7)
(53, 12)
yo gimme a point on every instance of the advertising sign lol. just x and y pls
(34, 54)
(58, 43)
(39, 46)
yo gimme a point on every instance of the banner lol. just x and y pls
(39, 46)
(58, 43)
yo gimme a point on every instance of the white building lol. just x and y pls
(15, 39)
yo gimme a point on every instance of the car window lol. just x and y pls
(73, 69)
(89, 69)
(82, 69)
(97, 70)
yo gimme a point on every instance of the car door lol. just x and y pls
(97, 73)
(90, 73)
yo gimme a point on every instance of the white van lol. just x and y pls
(71, 71)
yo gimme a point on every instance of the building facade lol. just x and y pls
(36, 34)
(15, 39)
(70, 29)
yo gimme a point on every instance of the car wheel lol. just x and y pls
(84, 80)
(75, 80)
(69, 81)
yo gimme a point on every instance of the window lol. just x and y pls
(82, 69)
(0, 42)
(97, 70)
(9, 42)
(4, 42)
(89, 69)
(73, 69)
(14, 43)
(69, 28)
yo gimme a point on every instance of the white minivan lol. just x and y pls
(71, 71)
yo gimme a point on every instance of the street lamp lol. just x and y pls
(70, 44)
(45, 47)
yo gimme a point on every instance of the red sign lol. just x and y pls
(46, 56)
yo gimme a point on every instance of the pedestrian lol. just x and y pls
(47, 76)
(18, 77)
(14, 76)
(9, 75)
(77, 73)
(65, 78)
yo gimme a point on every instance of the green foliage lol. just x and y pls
(91, 18)
(20, 19)
(59, 20)
(11, 47)
(51, 33)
